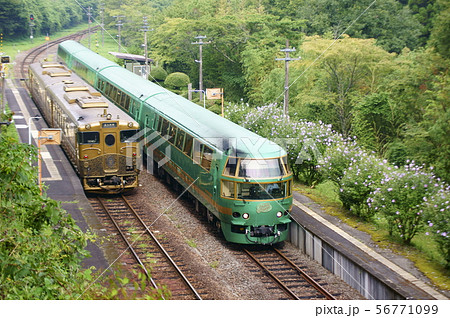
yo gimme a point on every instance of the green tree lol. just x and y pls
(440, 33)
(393, 25)
(335, 76)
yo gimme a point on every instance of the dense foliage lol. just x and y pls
(49, 16)
(41, 248)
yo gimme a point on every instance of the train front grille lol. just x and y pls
(107, 165)
(111, 162)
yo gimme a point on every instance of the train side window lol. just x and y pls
(160, 123)
(172, 132)
(113, 93)
(206, 157)
(188, 145)
(197, 152)
(88, 137)
(164, 128)
(126, 104)
(107, 89)
(180, 139)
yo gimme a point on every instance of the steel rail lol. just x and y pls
(308, 278)
(130, 246)
(161, 248)
(279, 283)
(43, 47)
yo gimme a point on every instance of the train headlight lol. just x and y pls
(246, 216)
(279, 214)
(236, 214)
(88, 126)
(130, 124)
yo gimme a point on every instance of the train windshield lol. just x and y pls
(256, 168)
(88, 137)
(261, 191)
(128, 135)
(259, 168)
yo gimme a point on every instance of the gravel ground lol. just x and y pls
(216, 263)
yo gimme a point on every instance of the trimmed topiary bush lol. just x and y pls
(177, 80)
(158, 74)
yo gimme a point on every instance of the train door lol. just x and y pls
(110, 149)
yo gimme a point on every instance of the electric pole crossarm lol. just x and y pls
(286, 60)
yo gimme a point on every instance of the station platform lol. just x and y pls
(395, 271)
(58, 175)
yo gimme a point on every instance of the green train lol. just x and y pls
(241, 180)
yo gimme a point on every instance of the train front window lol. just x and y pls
(88, 137)
(230, 168)
(261, 168)
(261, 191)
(128, 135)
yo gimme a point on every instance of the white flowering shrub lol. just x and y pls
(437, 216)
(338, 157)
(401, 198)
(362, 176)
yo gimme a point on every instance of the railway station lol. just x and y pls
(344, 251)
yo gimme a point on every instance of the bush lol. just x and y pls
(338, 157)
(158, 74)
(401, 198)
(41, 247)
(177, 80)
(359, 180)
(437, 214)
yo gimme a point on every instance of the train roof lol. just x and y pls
(202, 123)
(83, 103)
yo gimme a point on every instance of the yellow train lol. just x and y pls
(99, 138)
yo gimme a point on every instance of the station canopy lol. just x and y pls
(130, 57)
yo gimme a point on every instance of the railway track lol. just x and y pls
(149, 253)
(34, 54)
(286, 275)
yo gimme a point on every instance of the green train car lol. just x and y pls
(240, 179)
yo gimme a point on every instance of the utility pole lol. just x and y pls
(102, 25)
(145, 30)
(89, 14)
(286, 60)
(119, 24)
(200, 43)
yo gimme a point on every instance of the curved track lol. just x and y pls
(147, 251)
(33, 54)
(290, 278)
